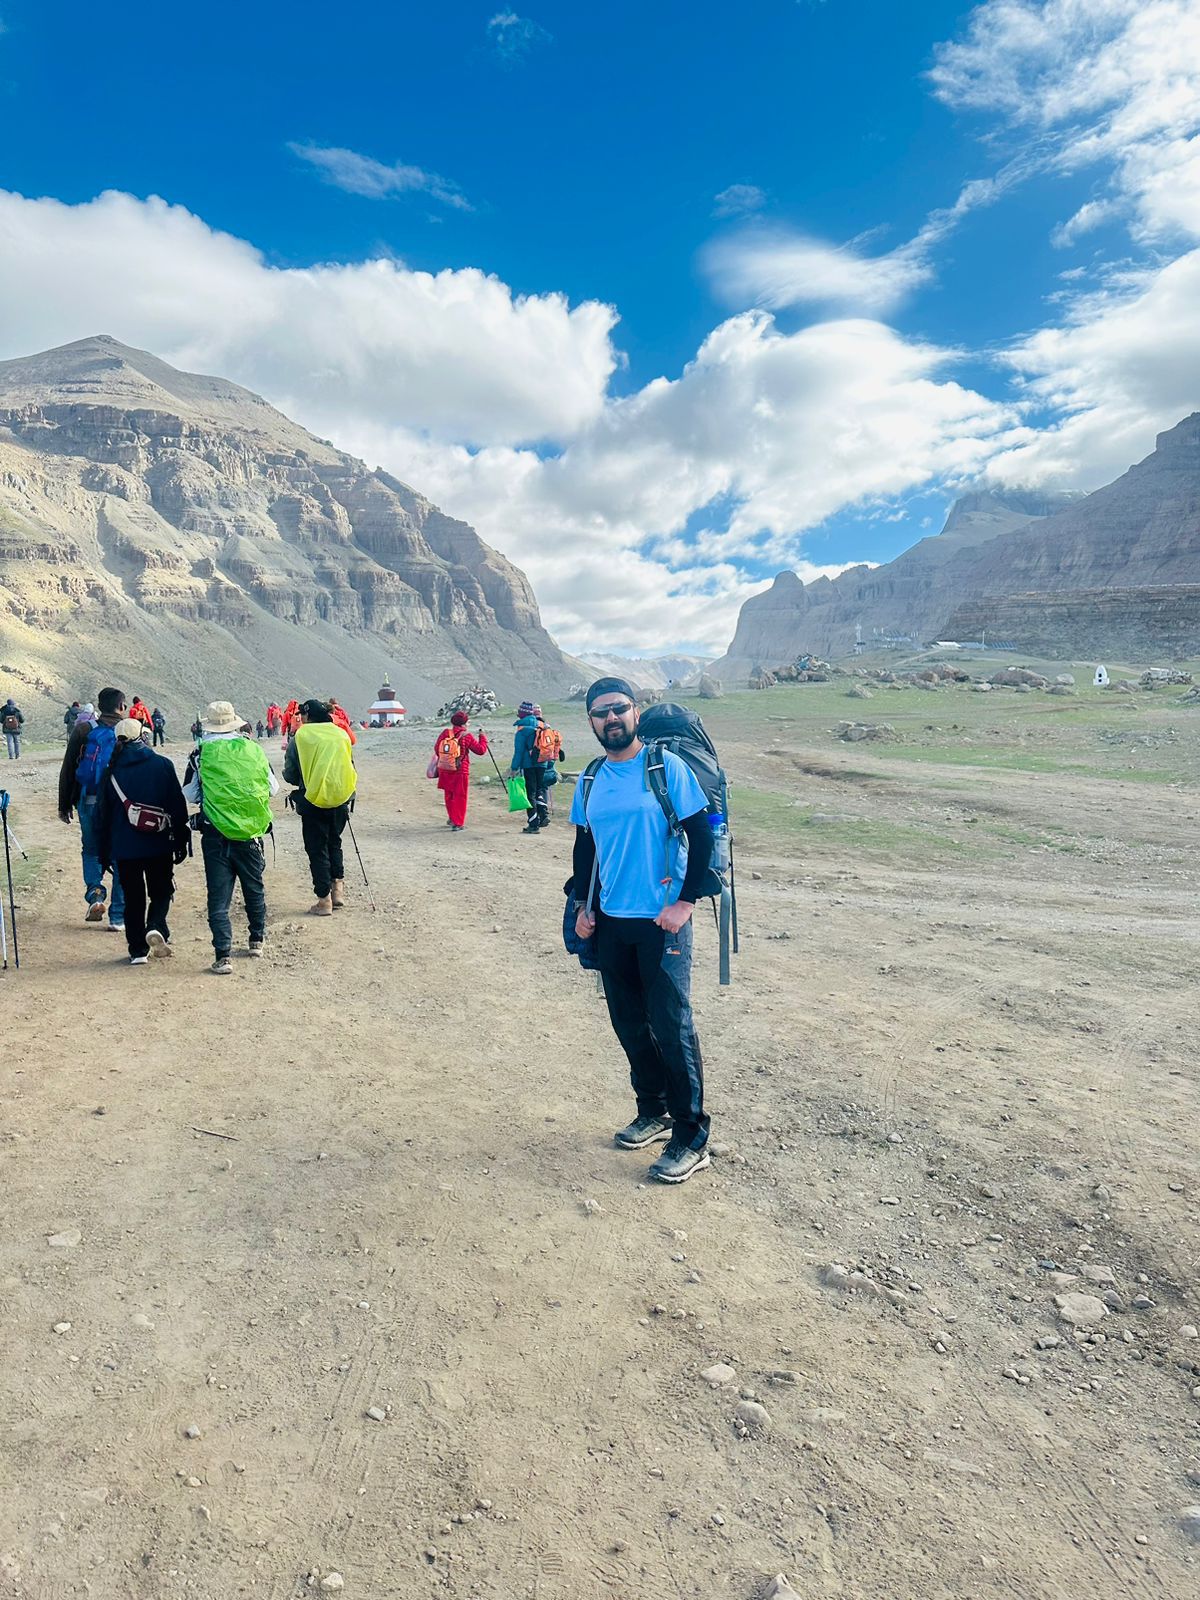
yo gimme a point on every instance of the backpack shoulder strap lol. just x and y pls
(656, 782)
(586, 779)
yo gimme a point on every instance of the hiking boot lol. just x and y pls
(677, 1163)
(159, 944)
(139, 961)
(255, 947)
(95, 912)
(337, 894)
(531, 827)
(323, 907)
(222, 966)
(643, 1130)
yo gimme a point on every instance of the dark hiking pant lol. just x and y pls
(228, 862)
(323, 829)
(160, 737)
(539, 799)
(146, 878)
(647, 976)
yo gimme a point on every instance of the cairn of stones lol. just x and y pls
(475, 701)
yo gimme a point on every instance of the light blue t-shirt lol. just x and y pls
(631, 833)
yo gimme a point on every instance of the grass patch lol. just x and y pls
(26, 872)
(763, 819)
(1007, 760)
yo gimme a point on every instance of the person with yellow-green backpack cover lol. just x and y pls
(229, 778)
(320, 764)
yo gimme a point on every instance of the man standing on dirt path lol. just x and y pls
(89, 750)
(229, 778)
(142, 834)
(320, 763)
(643, 925)
(12, 720)
(158, 723)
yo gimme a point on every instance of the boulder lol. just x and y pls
(709, 688)
(858, 692)
(1065, 680)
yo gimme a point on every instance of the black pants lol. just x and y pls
(160, 737)
(323, 829)
(539, 800)
(647, 978)
(143, 877)
(227, 862)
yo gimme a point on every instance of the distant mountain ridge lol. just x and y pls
(1141, 531)
(183, 523)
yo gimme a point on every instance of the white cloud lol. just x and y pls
(739, 200)
(1101, 81)
(1122, 368)
(447, 378)
(455, 353)
(514, 37)
(1112, 85)
(362, 175)
(774, 267)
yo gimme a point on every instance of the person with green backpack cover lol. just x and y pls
(229, 778)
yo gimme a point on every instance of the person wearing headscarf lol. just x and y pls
(452, 751)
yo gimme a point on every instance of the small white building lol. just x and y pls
(386, 711)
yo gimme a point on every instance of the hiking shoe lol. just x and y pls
(139, 961)
(531, 827)
(643, 1130)
(159, 944)
(337, 895)
(95, 912)
(222, 966)
(322, 908)
(116, 927)
(255, 947)
(677, 1163)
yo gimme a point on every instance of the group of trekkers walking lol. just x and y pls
(641, 856)
(135, 827)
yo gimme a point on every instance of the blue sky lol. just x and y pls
(747, 202)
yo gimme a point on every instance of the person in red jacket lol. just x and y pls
(139, 710)
(454, 771)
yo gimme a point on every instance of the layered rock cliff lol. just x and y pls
(1142, 531)
(181, 529)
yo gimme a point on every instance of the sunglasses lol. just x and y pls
(605, 712)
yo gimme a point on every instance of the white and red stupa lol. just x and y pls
(386, 712)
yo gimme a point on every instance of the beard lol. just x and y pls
(617, 737)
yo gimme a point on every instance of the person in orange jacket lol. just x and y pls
(139, 710)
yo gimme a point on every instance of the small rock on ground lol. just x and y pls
(1080, 1310)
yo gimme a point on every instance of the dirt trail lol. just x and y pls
(419, 1209)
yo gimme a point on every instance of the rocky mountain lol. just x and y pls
(178, 535)
(1030, 551)
(648, 672)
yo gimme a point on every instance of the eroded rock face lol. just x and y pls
(1055, 575)
(130, 489)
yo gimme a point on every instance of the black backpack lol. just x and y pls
(675, 728)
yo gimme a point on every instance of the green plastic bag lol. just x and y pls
(518, 798)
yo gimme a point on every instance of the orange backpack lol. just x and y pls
(449, 753)
(547, 744)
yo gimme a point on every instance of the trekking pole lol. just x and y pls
(358, 853)
(12, 904)
(499, 774)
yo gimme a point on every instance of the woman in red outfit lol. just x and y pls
(453, 782)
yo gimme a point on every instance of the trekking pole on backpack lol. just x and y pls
(12, 904)
(358, 853)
